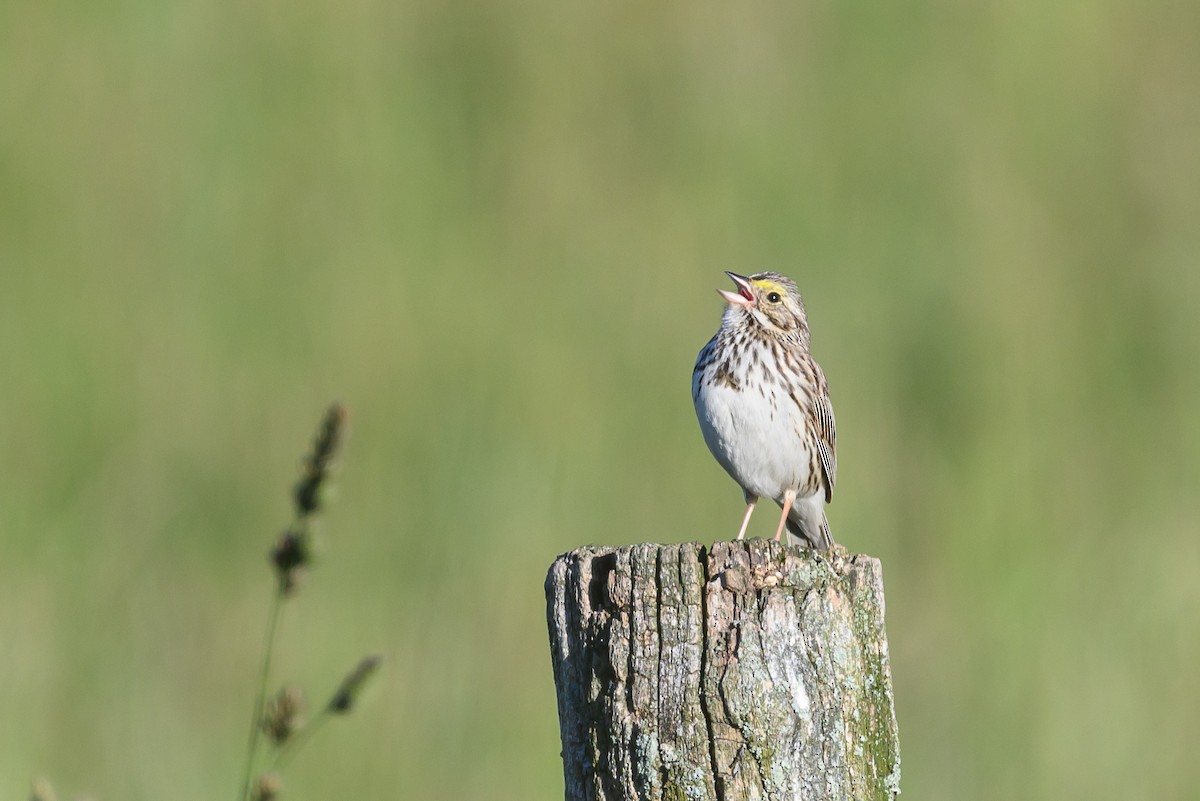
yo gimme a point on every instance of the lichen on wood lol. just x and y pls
(749, 670)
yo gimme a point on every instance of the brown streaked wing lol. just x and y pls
(826, 441)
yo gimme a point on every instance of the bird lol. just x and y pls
(764, 408)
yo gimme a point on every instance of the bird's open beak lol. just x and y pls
(744, 296)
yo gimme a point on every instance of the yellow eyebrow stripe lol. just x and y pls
(768, 286)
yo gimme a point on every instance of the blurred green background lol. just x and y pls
(493, 229)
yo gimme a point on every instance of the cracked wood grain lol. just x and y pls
(748, 671)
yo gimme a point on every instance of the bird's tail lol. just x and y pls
(803, 530)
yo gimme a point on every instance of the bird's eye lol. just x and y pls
(774, 297)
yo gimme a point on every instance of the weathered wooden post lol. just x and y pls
(744, 671)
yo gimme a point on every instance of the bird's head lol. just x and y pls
(769, 299)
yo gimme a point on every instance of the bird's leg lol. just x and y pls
(750, 501)
(789, 498)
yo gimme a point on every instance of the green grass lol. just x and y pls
(493, 230)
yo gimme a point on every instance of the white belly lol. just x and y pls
(757, 438)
